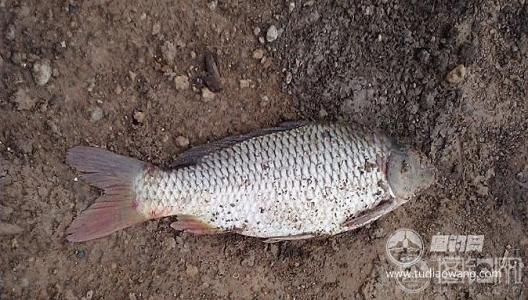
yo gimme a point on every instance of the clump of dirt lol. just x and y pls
(130, 76)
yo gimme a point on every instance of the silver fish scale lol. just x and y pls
(305, 180)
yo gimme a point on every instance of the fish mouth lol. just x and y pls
(427, 177)
(410, 173)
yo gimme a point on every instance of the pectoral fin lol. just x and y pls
(372, 215)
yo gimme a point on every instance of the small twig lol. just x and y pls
(212, 79)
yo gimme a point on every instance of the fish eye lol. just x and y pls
(405, 166)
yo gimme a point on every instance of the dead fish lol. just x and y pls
(294, 181)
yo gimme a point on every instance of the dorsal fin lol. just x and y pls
(193, 155)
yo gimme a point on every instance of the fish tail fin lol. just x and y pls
(117, 208)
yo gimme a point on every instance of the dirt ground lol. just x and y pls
(109, 73)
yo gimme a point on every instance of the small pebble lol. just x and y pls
(25, 282)
(11, 32)
(42, 72)
(91, 85)
(207, 94)
(97, 114)
(181, 82)
(132, 76)
(289, 77)
(424, 56)
(266, 63)
(378, 233)
(139, 116)
(166, 69)
(457, 75)
(256, 30)
(19, 58)
(291, 6)
(264, 100)
(272, 34)
(213, 4)
(168, 51)
(245, 83)
(181, 141)
(156, 28)
(170, 243)
(191, 270)
(258, 54)
(118, 90)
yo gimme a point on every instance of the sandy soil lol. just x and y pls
(104, 73)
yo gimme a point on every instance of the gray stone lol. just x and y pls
(272, 34)
(168, 51)
(457, 75)
(258, 54)
(42, 72)
(207, 94)
(182, 141)
(139, 116)
(181, 82)
(97, 114)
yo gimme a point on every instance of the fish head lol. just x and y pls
(409, 172)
